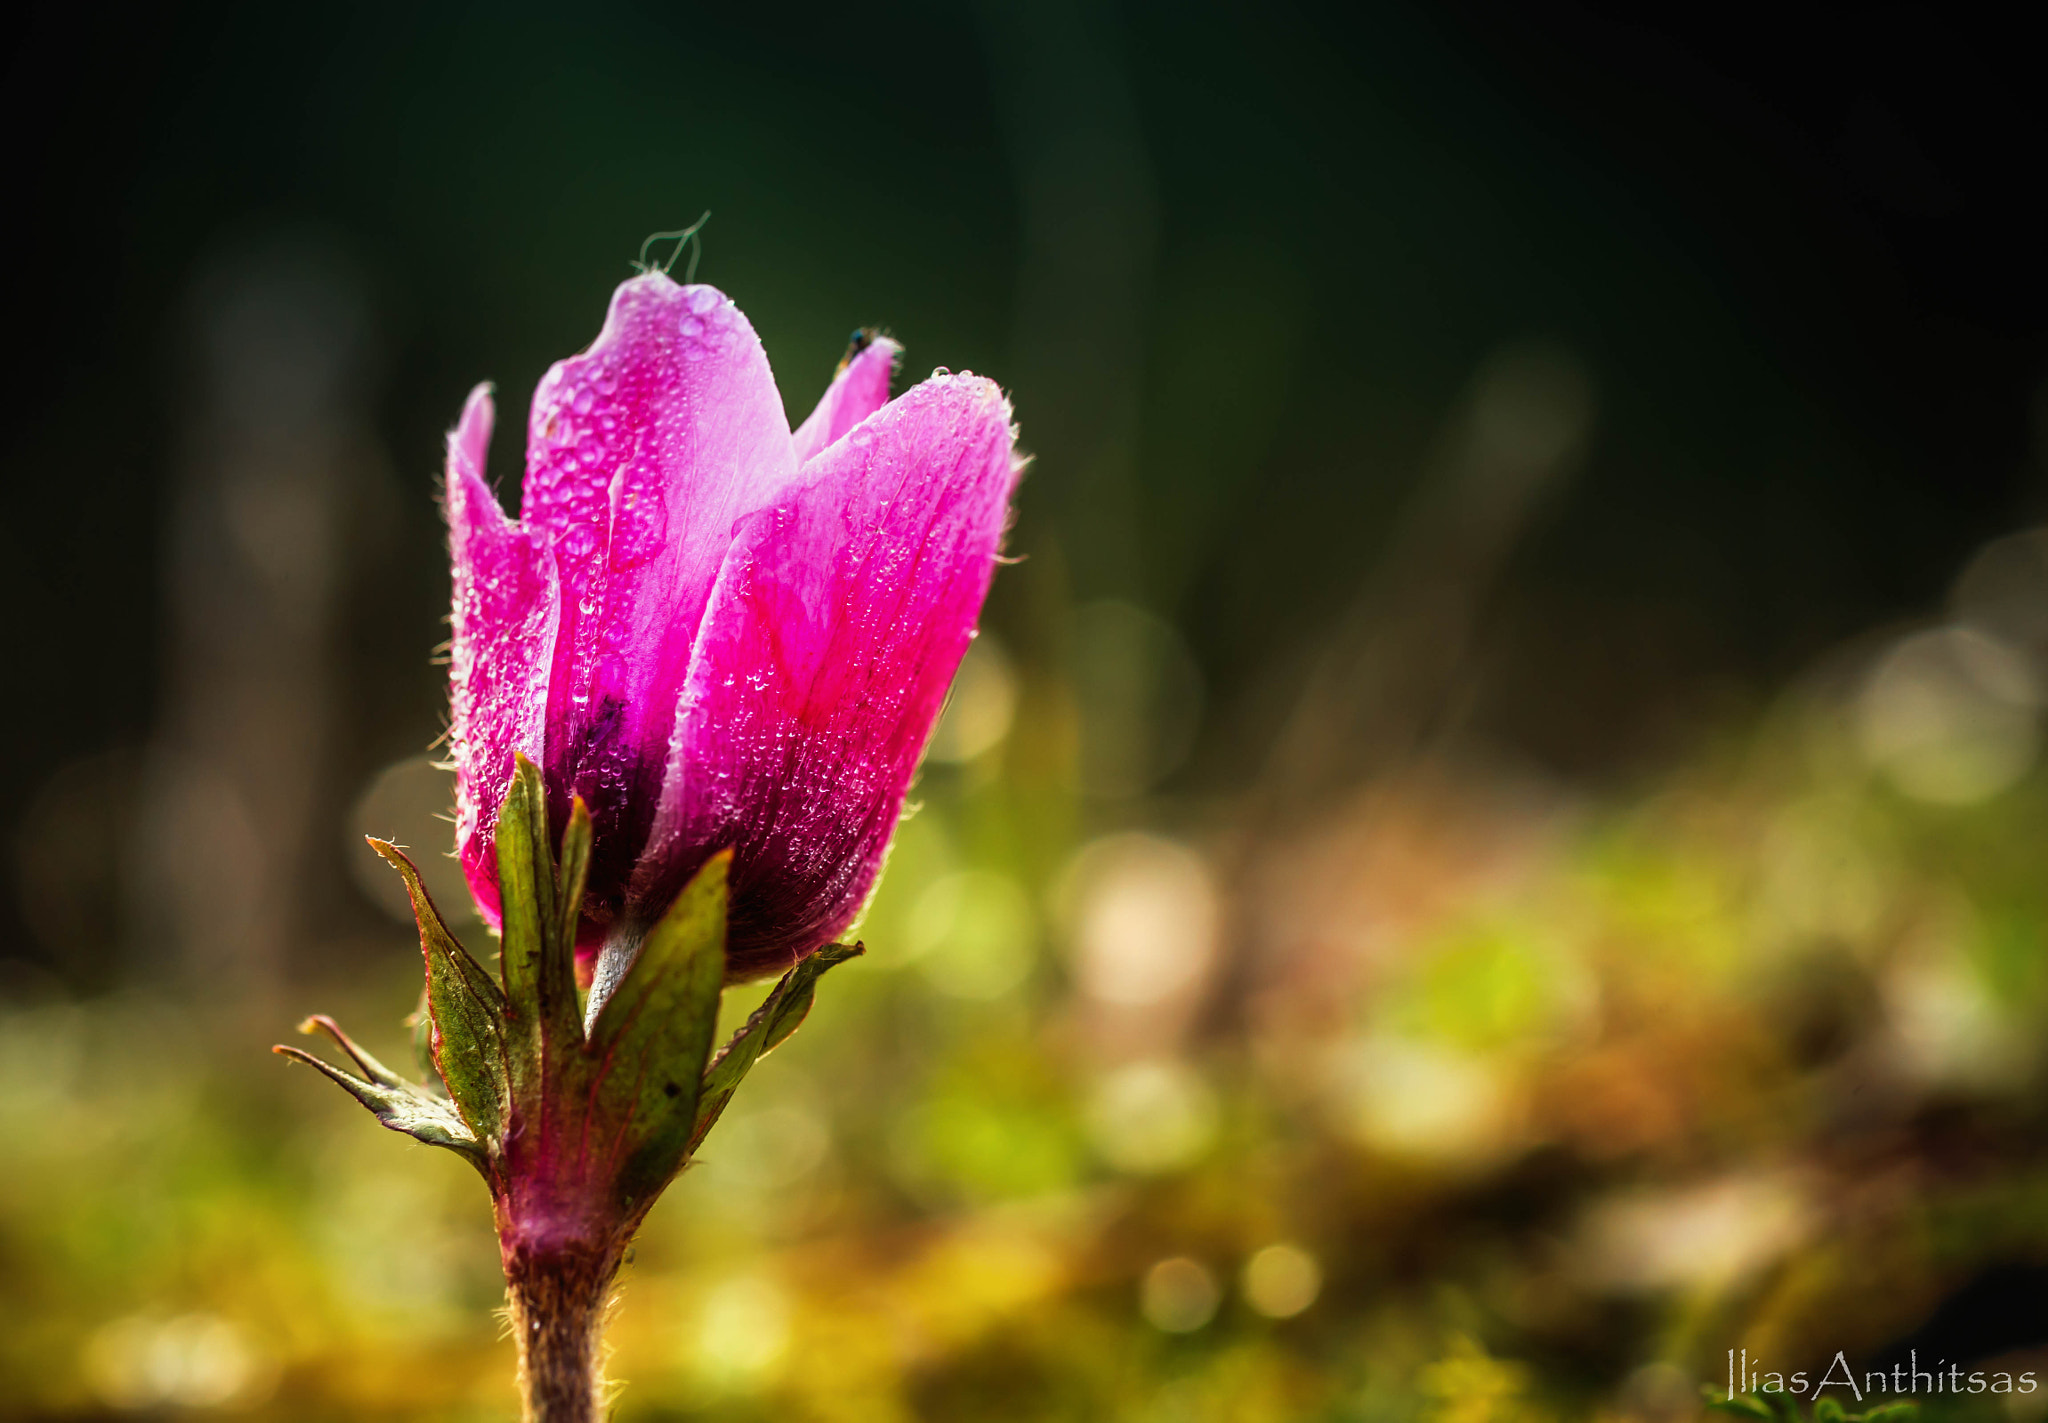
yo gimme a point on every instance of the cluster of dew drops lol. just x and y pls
(581, 442)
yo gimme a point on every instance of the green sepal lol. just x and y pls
(1826, 1410)
(376, 1071)
(468, 1012)
(1740, 1404)
(400, 1105)
(570, 879)
(638, 1087)
(651, 1038)
(1895, 1412)
(538, 946)
(780, 1014)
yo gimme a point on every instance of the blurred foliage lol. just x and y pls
(1489, 1102)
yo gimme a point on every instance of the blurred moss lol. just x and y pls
(1746, 1059)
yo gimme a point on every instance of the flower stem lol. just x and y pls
(557, 1302)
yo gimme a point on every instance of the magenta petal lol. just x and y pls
(642, 453)
(859, 389)
(504, 618)
(838, 621)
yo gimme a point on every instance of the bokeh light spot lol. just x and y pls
(1281, 1281)
(1145, 917)
(742, 1334)
(1152, 1116)
(1179, 1295)
(1950, 716)
(189, 1361)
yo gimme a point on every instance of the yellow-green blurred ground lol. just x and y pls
(1466, 1100)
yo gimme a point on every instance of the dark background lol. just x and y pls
(1801, 257)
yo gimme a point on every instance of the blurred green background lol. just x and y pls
(1487, 856)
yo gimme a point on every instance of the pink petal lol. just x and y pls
(642, 453)
(860, 388)
(505, 616)
(838, 621)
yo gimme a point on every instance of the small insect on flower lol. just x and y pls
(862, 338)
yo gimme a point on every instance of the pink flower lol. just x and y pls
(717, 632)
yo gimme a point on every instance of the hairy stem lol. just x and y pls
(557, 1306)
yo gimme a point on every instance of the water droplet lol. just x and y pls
(579, 541)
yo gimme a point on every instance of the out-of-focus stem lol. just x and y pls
(558, 1301)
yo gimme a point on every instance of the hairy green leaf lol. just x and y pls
(573, 875)
(526, 891)
(400, 1105)
(376, 1071)
(779, 1015)
(467, 1008)
(543, 1025)
(651, 1038)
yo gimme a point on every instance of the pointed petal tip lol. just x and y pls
(859, 388)
(962, 399)
(866, 374)
(467, 500)
(659, 286)
(880, 350)
(655, 279)
(469, 443)
(964, 386)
